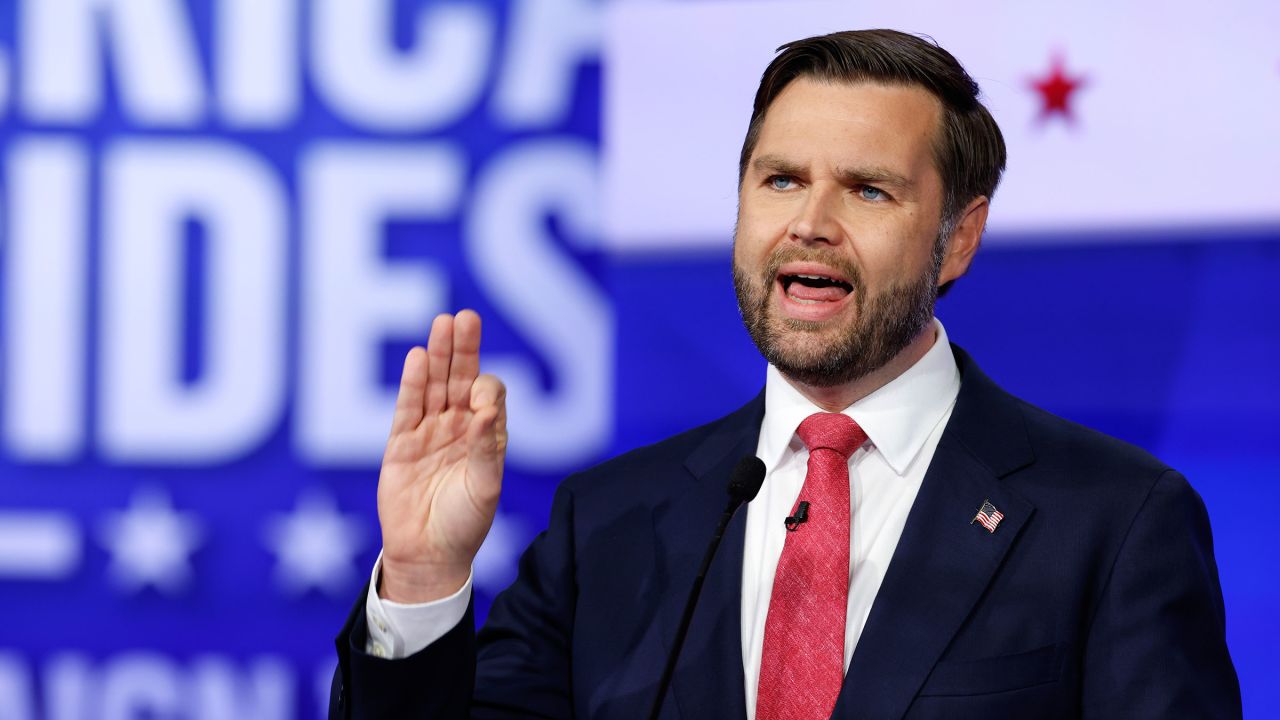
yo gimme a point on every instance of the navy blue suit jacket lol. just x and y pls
(1097, 596)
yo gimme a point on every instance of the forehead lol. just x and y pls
(852, 124)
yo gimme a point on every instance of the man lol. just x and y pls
(924, 545)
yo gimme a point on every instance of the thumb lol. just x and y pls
(486, 450)
(483, 441)
(487, 437)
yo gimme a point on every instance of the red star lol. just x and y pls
(1055, 91)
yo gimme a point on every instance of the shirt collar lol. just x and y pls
(897, 418)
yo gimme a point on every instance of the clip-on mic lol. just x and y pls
(802, 514)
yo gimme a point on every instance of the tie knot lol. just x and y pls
(831, 431)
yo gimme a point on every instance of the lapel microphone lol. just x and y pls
(802, 514)
(744, 484)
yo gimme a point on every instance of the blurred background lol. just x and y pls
(224, 222)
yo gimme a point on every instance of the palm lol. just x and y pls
(442, 470)
(424, 494)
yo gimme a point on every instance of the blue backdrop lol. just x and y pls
(210, 277)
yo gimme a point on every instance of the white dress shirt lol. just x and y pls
(903, 421)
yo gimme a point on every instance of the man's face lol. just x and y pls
(835, 260)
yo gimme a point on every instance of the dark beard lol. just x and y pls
(886, 324)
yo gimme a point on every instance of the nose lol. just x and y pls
(815, 219)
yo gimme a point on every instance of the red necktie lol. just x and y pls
(802, 664)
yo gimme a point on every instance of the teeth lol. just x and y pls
(817, 277)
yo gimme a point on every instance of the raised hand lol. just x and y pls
(442, 471)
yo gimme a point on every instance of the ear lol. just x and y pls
(964, 241)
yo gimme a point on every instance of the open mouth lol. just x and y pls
(811, 289)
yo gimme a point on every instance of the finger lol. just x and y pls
(465, 364)
(487, 391)
(439, 354)
(413, 387)
(486, 450)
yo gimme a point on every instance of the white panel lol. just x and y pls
(1174, 127)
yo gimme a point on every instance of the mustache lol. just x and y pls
(830, 258)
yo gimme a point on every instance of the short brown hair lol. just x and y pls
(968, 151)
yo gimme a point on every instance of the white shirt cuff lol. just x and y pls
(398, 630)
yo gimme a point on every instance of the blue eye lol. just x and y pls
(870, 193)
(780, 182)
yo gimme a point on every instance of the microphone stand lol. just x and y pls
(743, 486)
(689, 606)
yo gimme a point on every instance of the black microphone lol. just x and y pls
(802, 514)
(744, 484)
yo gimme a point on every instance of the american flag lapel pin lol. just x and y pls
(988, 515)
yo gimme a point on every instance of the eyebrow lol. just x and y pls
(868, 175)
(775, 164)
(873, 176)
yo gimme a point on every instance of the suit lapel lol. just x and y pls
(942, 562)
(708, 681)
